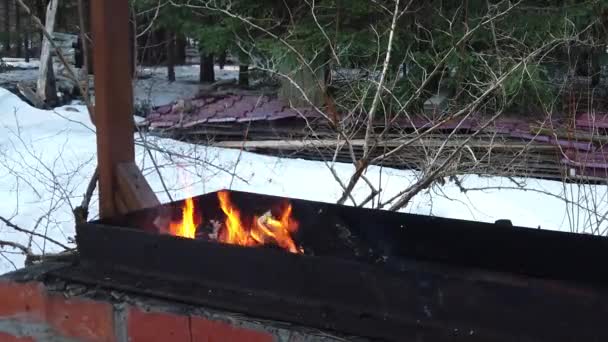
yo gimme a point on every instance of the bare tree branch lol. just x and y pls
(22, 230)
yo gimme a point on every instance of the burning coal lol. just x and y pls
(266, 229)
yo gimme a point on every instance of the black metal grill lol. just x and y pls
(377, 274)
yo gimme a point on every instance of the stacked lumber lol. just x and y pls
(508, 146)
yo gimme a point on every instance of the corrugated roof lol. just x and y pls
(229, 108)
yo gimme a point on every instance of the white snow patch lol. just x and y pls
(48, 157)
(152, 86)
(138, 119)
(34, 63)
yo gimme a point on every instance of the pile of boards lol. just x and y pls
(573, 150)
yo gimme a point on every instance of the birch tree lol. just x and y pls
(46, 88)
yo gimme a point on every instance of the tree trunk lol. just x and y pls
(26, 44)
(244, 75)
(595, 66)
(46, 80)
(51, 85)
(19, 30)
(78, 53)
(207, 73)
(88, 44)
(222, 60)
(7, 28)
(41, 8)
(134, 48)
(171, 56)
(180, 50)
(133, 44)
(90, 56)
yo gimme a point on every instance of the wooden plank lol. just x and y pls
(531, 164)
(577, 135)
(134, 190)
(113, 95)
(298, 144)
(121, 207)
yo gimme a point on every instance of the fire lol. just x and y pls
(263, 230)
(234, 232)
(260, 230)
(186, 228)
(278, 230)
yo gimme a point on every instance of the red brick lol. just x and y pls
(10, 338)
(157, 327)
(81, 319)
(204, 330)
(77, 318)
(22, 299)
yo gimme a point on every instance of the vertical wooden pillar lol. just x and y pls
(113, 96)
(122, 187)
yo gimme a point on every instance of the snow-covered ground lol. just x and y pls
(48, 157)
(34, 63)
(151, 88)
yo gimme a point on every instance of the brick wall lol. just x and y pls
(29, 312)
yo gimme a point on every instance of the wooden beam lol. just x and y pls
(113, 99)
(121, 207)
(133, 191)
(332, 143)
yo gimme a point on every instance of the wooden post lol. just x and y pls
(114, 112)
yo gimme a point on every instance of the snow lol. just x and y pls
(18, 75)
(138, 119)
(48, 157)
(152, 87)
(21, 63)
(44, 156)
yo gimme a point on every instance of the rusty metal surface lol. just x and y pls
(227, 108)
(113, 95)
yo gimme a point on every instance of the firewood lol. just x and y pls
(209, 230)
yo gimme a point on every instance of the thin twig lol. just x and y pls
(238, 159)
(81, 213)
(22, 230)
(160, 175)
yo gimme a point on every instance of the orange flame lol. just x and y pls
(264, 230)
(234, 233)
(278, 230)
(186, 228)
